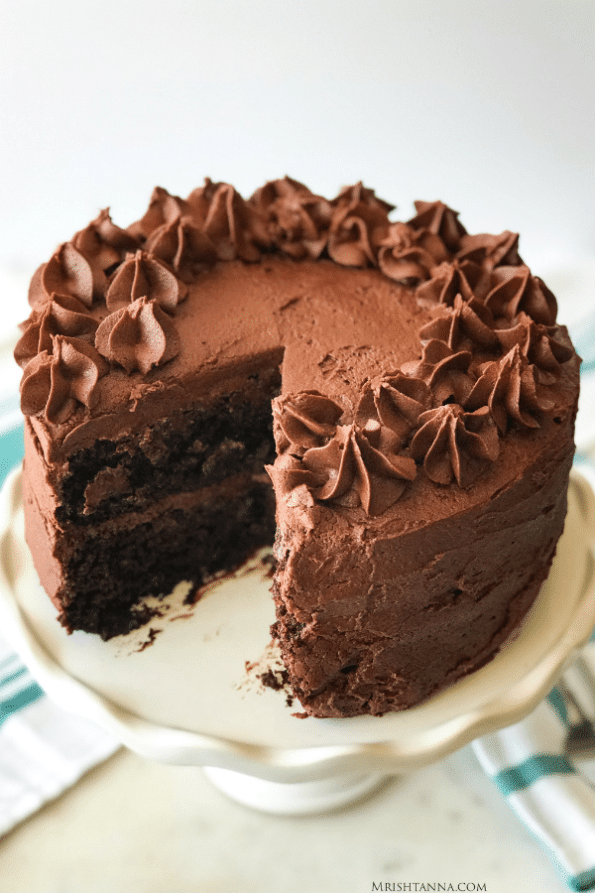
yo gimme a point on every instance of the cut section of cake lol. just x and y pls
(404, 386)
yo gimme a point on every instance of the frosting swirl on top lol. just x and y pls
(163, 209)
(142, 274)
(490, 250)
(304, 420)
(182, 246)
(55, 383)
(410, 256)
(508, 387)
(297, 221)
(439, 219)
(103, 244)
(359, 223)
(543, 346)
(450, 279)
(235, 228)
(350, 464)
(66, 273)
(514, 289)
(445, 371)
(62, 315)
(465, 325)
(455, 445)
(138, 336)
(395, 401)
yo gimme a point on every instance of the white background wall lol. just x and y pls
(487, 105)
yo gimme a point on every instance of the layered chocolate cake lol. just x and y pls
(404, 386)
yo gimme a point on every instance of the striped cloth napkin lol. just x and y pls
(542, 784)
(44, 749)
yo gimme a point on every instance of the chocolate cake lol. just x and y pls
(405, 387)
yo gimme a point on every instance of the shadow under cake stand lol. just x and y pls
(189, 687)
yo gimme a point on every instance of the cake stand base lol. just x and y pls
(297, 798)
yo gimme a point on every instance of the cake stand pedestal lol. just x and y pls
(297, 798)
(189, 687)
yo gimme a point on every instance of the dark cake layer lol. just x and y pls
(178, 500)
(110, 569)
(193, 448)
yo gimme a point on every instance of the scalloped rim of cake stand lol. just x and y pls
(497, 695)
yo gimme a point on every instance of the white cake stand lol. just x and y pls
(186, 689)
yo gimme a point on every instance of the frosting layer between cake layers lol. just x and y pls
(419, 446)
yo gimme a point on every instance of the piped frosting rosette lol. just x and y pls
(55, 383)
(350, 464)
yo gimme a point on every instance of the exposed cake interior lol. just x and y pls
(182, 500)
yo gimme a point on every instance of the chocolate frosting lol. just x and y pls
(62, 315)
(446, 372)
(510, 389)
(183, 246)
(543, 346)
(396, 402)
(439, 219)
(514, 289)
(141, 274)
(235, 228)
(163, 210)
(449, 279)
(138, 336)
(303, 421)
(488, 351)
(297, 221)
(55, 383)
(360, 461)
(454, 444)
(490, 250)
(103, 244)
(351, 464)
(467, 325)
(359, 223)
(66, 273)
(410, 256)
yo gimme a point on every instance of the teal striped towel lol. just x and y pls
(545, 789)
(44, 749)
(541, 783)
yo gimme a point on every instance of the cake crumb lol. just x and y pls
(151, 636)
(270, 673)
(274, 679)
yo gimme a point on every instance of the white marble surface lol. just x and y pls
(132, 825)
